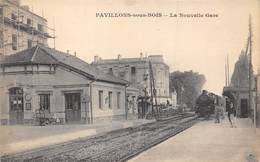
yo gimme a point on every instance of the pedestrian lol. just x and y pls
(232, 115)
(217, 114)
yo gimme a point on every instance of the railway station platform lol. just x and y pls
(208, 142)
(19, 138)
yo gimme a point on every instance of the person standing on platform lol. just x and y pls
(232, 115)
(217, 114)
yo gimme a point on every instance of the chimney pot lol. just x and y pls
(96, 58)
(141, 55)
(119, 57)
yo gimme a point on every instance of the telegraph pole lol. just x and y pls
(250, 70)
(153, 91)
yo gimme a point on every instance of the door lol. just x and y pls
(16, 111)
(72, 107)
(244, 108)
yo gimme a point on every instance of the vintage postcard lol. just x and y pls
(129, 80)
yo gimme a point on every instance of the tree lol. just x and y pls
(188, 85)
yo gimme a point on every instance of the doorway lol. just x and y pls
(16, 113)
(72, 107)
(244, 108)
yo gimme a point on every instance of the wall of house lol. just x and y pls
(105, 111)
(55, 83)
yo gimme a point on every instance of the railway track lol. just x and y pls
(119, 145)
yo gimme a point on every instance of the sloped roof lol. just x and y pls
(33, 55)
(45, 55)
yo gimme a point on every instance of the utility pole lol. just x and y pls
(153, 91)
(251, 71)
(228, 78)
(250, 65)
(3, 26)
(225, 74)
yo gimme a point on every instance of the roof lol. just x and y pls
(48, 56)
(155, 59)
(34, 55)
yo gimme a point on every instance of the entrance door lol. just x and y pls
(72, 107)
(244, 108)
(16, 105)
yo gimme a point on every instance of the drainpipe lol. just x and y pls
(256, 103)
(126, 106)
(91, 103)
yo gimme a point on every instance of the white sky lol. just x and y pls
(198, 44)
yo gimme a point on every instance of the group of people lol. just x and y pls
(231, 114)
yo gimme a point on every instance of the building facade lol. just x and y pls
(136, 72)
(238, 89)
(20, 28)
(58, 85)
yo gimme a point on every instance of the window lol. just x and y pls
(133, 70)
(29, 22)
(29, 42)
(14, 42)
(110, 99)
(1, 11)
(100, 99)
(40, 27)
(13, 16)
(110, 71)
(44, 102)
(133, 75)
(118, 100)
(1, 39)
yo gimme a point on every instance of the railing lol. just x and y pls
(25, 27)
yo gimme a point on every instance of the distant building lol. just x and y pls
(20, 28)
(238, 90)
(136, 72)
(58, 84)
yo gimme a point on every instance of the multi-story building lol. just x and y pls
(136, 71)
(20, 28)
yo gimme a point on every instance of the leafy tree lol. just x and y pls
(188, 85)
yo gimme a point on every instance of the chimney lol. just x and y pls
(95, 59)
(119, 56)
(75, 54)
(26, 8)
(141, 55)
(68, 51)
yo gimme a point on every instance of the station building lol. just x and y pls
(60, 85)
(136, 72)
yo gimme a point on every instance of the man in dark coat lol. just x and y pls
(232, 114)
